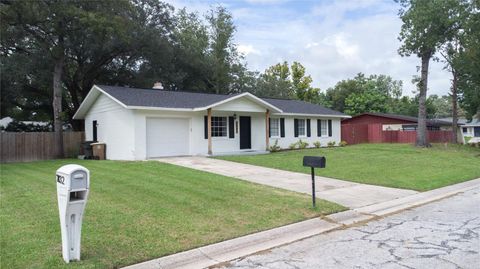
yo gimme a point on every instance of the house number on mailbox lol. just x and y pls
(60, 179)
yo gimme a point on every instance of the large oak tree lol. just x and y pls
(427, 25)
(76, 44)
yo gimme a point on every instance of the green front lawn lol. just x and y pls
(136, 211)
(390, 165)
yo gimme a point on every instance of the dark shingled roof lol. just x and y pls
(301, 107)
(162, 98)
(190, 100)
(430, 122)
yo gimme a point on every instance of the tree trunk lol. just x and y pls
(422, 110)
(57, 106)
(454, 108)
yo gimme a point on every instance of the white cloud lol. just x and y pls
(247, 49)
(334, 40)
(269, 2)
(344, 47)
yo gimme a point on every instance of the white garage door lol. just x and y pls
(167, 137)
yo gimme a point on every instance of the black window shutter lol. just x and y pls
(206, 127)
(319, 128)
(282, 127)
(231, 127)
(308, 128)
(269, 127)
(295, 127)
(329, 127)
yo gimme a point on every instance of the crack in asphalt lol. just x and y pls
(418, 238)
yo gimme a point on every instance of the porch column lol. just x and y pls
(267, 127)
(209, 130)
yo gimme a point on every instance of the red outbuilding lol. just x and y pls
(390, 128)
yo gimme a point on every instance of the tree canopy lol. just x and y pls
(127, 42)
(427, 25)
(376, 93)
(139, 42)
(287, 81)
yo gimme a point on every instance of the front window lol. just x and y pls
(301, 127)
(219, 127)
(324, 128)
(465, 130)
(274, 127)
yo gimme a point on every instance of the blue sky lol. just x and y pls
(334, 40)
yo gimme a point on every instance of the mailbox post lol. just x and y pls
(73, 183)
(312, 162)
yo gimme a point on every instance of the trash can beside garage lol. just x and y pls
(99, 150)
(87, 149)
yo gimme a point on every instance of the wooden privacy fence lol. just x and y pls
(25, 147)
(373, 133)
(355, 133)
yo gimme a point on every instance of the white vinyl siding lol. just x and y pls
(113, 128)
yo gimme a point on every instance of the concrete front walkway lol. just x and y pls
(349, 194)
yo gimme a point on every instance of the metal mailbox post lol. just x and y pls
(73, 183)
(312, 162)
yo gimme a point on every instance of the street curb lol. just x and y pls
(418, 199)
(222, 252)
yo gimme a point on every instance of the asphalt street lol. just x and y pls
(443, 234)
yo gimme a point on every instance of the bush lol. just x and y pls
(275, 147)
(317, 144)
(343, 143)
(331, 144)
(302, 144)
(293, 146)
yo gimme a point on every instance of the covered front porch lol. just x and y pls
(238, 126)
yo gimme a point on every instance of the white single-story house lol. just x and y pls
(472, 129)
(138, 124)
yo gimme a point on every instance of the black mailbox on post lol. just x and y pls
(314, 162)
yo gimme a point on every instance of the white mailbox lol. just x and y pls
(73, 182)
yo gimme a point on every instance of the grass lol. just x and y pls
(390, 165)
(136, 211)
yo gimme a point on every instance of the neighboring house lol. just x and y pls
(460, 121)
(138, 124)
(471, 129)
(390, 128)
(30, 126)
(4, 122)
(392, 122)
(10, 124)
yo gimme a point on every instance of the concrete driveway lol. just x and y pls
(349, 194)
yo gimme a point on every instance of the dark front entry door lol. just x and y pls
(476, 131)
(245, 133)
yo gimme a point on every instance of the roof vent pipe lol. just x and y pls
(158, 86)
